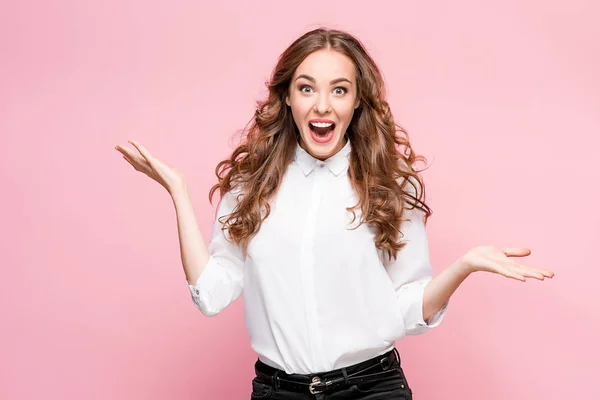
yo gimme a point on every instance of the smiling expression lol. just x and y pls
(323, 97)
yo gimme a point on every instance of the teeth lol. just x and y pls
(321, 124)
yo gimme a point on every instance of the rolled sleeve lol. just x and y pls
(222, 279)
(410, 301)
(410, 272)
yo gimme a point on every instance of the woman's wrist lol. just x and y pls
(179, 193)
(463, 267)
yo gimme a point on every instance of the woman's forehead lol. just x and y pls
(326, 65)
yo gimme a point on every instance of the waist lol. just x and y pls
(372, 369)
(295, 361)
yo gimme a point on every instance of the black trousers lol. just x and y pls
(393, 387)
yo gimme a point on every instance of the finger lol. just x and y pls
(129, 161)
(509, 273)
(145, 153)
(126, 158)
(539, 273)
(516, 251)
(130, 154)
(544, 272)
(521, 269)
(531, 274)
(123, 150)
(504, 267)
(135, 165)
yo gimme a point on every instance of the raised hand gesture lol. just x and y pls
(141, 160)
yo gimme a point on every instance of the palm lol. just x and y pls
(501, 261)
(142, 161)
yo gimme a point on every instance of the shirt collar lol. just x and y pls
(336, 163)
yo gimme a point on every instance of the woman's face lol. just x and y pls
(323, 97)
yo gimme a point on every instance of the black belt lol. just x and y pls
(372, 370)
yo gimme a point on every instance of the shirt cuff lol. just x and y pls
(413, 316)
(203, 289)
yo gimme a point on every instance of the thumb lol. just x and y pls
(516, 251)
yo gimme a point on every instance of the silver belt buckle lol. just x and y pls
(311, 387)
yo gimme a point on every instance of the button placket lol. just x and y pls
(309, 282)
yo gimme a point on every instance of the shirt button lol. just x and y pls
(197, 291)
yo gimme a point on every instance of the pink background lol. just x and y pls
(501, 97)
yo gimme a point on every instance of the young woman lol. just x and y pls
(321, 225)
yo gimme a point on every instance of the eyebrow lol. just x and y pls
(333, 82)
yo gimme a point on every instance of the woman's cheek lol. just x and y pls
(303, 105)
(348, 112)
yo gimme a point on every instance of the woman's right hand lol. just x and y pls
(141, 160)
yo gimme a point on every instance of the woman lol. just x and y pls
(321, 225)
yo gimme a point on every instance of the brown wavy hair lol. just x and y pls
(381, 160)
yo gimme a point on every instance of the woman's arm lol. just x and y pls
(411, 273)
(214, 273)
(438, 290)
(194, 253)
(192, 247)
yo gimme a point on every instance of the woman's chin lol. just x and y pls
(319, 149)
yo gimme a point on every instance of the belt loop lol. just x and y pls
(345, 376)
(276, 379)
(385, 363)
(397, 355)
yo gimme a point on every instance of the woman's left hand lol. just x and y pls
(498, 260)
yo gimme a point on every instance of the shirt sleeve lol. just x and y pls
(222, 279)
(411, 271)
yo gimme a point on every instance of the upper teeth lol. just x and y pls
(322, 124)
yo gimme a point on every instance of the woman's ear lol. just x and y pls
(287, 100)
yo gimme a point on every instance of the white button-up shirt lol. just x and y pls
(317, 295)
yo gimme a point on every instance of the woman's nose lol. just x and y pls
(322, 105)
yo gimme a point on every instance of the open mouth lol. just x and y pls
(322, 132)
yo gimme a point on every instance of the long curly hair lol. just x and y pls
(381, 161)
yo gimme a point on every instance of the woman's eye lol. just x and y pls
(338, 91)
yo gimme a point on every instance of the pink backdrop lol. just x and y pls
(501, 97)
